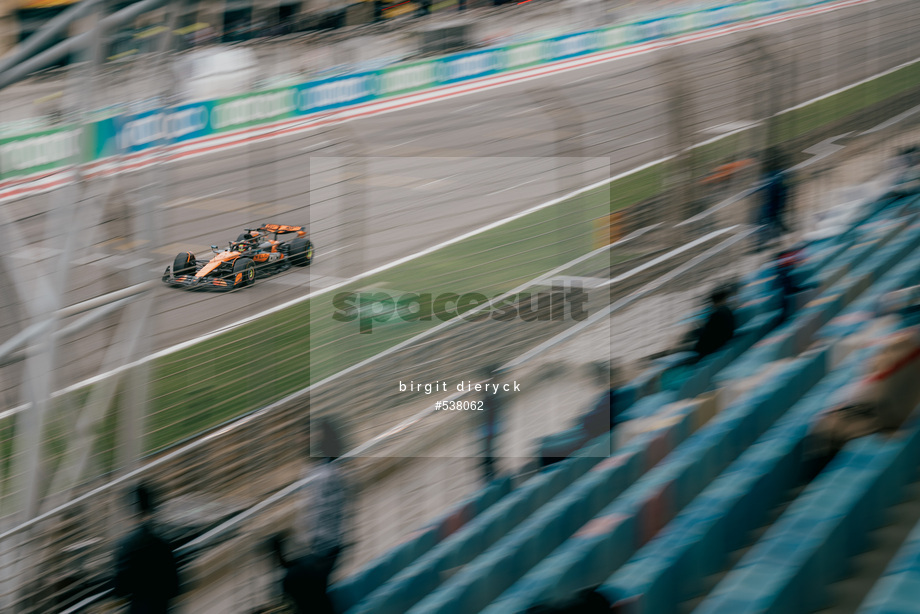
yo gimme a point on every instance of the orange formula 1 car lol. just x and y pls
(252, 255)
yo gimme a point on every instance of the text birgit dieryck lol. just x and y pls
(466, 386)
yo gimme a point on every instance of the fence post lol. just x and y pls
(354, 202)
(680, 190)
(567, 143)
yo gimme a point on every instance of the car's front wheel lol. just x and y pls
(301, 252)
(244, 272)
(184, 264)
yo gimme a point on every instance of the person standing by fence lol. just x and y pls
(493, 405)
(775, 196)
(319, 536)
(146, 571)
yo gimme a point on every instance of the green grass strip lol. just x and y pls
(265, 360)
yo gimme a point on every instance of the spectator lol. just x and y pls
(773, 210)
(303, 583)
(493, 405)
(604, 416)
(881, 398)
(719, 327)
(908, 178)
(146, 572)
(784, 267)
(320, 521)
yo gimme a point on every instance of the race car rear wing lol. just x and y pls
(281, 229)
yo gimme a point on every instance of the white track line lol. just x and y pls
(668, 255)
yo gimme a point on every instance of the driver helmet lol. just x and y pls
(251, 241)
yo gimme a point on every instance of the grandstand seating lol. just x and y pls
(351, 590)
(898, 591)
(671, 567)
(706, 453)
(808, 547)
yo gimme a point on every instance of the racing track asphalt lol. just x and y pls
(435, 171)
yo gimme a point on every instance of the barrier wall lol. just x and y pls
(132, 133)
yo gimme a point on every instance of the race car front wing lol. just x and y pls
(203, 284)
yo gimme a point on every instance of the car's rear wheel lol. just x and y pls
(301, 251)
(184, 264)
(244, 272)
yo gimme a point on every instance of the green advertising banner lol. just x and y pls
(406, 78)
(40, 151)
(247, 110)
(523, 55)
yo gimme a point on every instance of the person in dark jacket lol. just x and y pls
(305, 580)
(493, 405)
(785, 264)
(719, 327)
(604, 416)
(772, 214)
(146, 571)
(320, 524)
(323, 507)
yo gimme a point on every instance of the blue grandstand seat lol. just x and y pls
(757, 315)
(808, 547)
(797, 334)
(351, 590)
(471, 588)
(672, 567)
(402, 591)
(578, 557)
(898, 590)
(632, 518)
